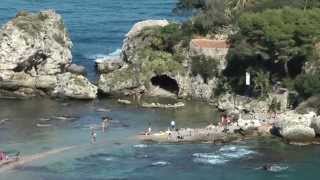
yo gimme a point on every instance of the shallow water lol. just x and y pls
(119, 155)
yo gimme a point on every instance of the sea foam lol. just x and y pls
(103, 57)
(223, 155)
(140, 146)
(160, 163)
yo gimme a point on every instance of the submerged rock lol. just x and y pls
(35, 51)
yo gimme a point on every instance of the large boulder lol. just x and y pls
(35, 50)
(298, 134)
(291, 118)
(296, 128)
(74, 86)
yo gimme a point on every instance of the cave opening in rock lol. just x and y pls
(166, 83)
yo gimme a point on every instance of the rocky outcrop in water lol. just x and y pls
(297, 128)
(35, 59)
(160, 73)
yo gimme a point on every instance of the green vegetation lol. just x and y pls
(166, 38)
(30, 23)
(204, 66)
(159, 62)
(308, 84)
(275, 41)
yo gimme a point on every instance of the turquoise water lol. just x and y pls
(119, 155)
(97, 28)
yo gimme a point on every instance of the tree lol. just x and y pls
(279, 35)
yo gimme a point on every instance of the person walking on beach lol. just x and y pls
(173, 125)
(93, 136)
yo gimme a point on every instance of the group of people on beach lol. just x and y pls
(172, 128)
(4, 157)
(104, 125)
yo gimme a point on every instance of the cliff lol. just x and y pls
(35, 57)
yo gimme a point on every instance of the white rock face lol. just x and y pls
(139, 26)
(131, 42)
(34, 50)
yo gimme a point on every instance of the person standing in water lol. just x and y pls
(93, 136)
(149, 129)
(103, 125)
(173, 125)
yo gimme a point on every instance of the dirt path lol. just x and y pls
(27, 159)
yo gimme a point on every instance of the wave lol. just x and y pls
(160, 163)
(223, 155)
(278, 168)
(140, 146)
(235, 152)
(112, 55)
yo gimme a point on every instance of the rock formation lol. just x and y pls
(157, 72)
(297, 128)
(35, 59)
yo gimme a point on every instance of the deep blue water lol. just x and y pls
(97, 27)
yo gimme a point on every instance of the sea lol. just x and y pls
(35, 126)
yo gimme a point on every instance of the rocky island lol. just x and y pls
(36, 59)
